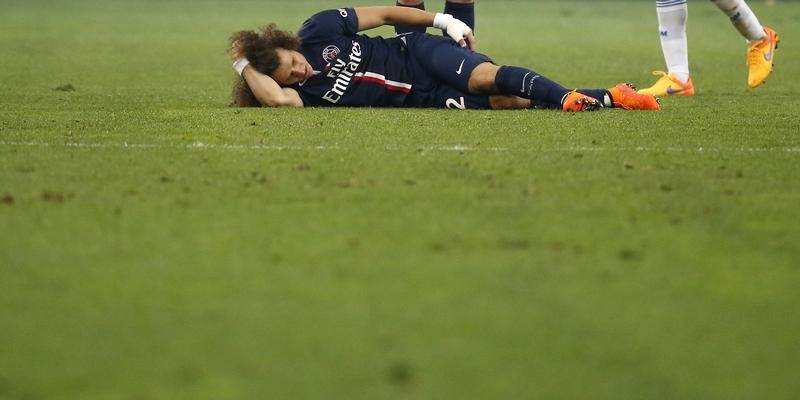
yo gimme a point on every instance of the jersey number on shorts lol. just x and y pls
(452, 103)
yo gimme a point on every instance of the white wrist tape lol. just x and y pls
(239, 65)
(440, 21)
(457, 30)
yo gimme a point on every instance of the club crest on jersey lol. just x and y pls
(330, 52)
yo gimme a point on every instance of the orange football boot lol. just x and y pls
(575, 101)
(625, 96)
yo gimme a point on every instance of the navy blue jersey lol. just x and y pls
(416, 70)
(351, 69)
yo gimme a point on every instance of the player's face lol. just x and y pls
(292, 68)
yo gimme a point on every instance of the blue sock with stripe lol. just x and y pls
(522, 82)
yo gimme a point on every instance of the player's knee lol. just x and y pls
(481, 80)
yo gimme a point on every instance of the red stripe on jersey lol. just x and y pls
(381, 80)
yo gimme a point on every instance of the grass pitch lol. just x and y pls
(157, 244)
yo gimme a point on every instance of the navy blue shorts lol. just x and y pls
(441, 73)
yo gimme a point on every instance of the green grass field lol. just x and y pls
(158, 244)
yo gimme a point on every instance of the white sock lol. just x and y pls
(672, 17)
(742, 18)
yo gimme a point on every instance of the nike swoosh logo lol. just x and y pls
(768, 56)
(458, 71)
(671, 91)
(523, 82)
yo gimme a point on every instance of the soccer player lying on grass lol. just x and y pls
(329, 64)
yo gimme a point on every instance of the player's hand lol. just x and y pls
(456, 29)
(236, 52)
(470, 41)
(460, 32)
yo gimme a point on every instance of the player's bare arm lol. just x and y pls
(268, 92)
(264, 87)
(373, 17)
(463, 10)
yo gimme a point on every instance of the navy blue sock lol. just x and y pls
(463, 12)
(523, 82)
(410, 28)
(598, 94)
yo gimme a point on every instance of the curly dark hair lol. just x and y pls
(260, 49)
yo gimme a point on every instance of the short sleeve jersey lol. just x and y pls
(351, 69)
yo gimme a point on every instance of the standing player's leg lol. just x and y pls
(463, 10)
(400, 29)
(672, 17)
(762, 41)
